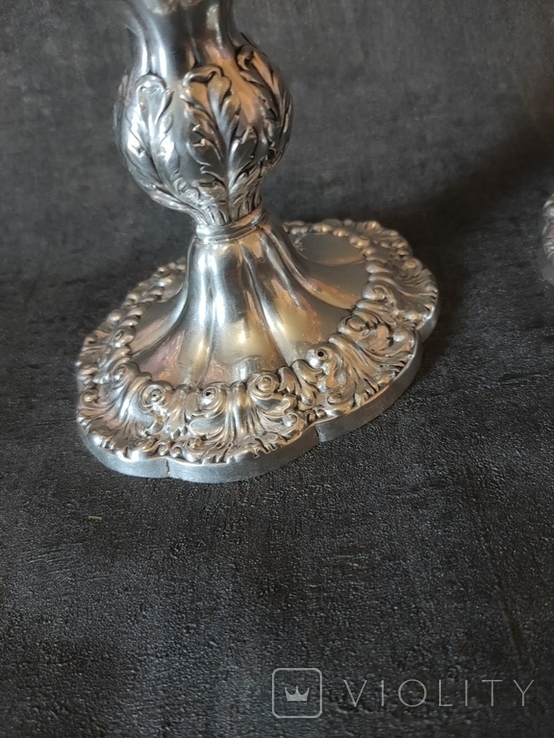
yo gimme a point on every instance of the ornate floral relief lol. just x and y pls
(129, 413)
(275, 100)
(193, 148)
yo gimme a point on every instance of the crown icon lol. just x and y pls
(296, 696)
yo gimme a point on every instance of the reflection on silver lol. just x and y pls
(264, 339)
(547, 261)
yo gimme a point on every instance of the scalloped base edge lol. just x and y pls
(250, 468)
(141, 427)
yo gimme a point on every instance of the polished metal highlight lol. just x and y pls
(265, 338)
(547, 260)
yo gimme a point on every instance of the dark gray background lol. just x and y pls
(421, 546)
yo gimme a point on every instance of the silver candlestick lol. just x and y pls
(547, 260)
(265, 338)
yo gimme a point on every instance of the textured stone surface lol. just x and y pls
(420, 546)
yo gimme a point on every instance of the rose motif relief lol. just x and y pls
(129, 413)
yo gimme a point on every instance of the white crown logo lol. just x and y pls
(296, 696)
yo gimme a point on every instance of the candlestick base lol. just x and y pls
(139, 423)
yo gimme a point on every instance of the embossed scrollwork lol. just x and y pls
(130, 413)
(264, 338)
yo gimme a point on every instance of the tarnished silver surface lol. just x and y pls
(264, 338)
(547, 261)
